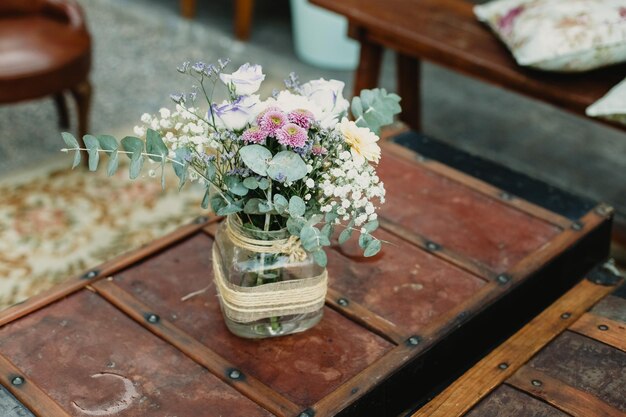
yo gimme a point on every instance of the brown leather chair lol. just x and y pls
(45, 49)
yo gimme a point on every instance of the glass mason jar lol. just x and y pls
(260, 271)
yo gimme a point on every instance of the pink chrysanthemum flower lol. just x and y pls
(319, 150)
(292, 135)
(271, 121)
(301, 117)
(254, 135)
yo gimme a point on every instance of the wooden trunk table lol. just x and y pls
(570, 361)
(467, 264)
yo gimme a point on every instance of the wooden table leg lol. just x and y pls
(409, 69)
(61, 105)
(370, 61)
(188, 8)
(243, 18)
(82, 95)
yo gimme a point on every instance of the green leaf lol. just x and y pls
(296, 206)
(205, 199)
(345, 235)
(181, 157)
(327, 231)
(155, 146)
(256, 157)
(365, 239)
(287, 166)
(371, 226)
(314, 219)
(375, 108)
(77, 158)
(295, 225)
(217, 202)
(264, 184)
(110, 145)
(135, 146)
(309, 238)
(70, 140)
(331, 216)
(320, 258)
(113, 164)
(372, 248)
(252, 206)
(251, 183)
(229, 209)
(211, 171)
(92, 145)
(280, 203)
(265, 207)
(235, 185)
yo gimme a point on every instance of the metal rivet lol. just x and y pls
(17, 381)
(603, 210)
(503, 365)
(603, 327)
(91, 274)
(201, 219)
(152, 318)
(432, 246)
(577, 226)
(536, 382)
(413, 341)
(307, 413)
(234, 374)
(506, 196)
(354, 390)
(565, 316)
(503, 278)
(343, 302)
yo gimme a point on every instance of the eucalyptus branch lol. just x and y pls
(66, 150)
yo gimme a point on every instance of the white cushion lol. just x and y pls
(559, 35)
(612, 106)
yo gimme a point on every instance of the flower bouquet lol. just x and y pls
(285, 171)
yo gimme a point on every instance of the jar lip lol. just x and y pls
(236, 222)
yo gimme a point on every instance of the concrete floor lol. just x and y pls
(565, 150)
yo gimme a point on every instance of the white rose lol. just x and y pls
(236, 115)
(246, 80)
(287, 102)
(328, 95)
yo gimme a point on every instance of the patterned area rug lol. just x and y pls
(58, 222)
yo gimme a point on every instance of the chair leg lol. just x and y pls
(188, 8)
(61, 105)
(370, 62)
(408, 69)
(82, 96)
(243, 18)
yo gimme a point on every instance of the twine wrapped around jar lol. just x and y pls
(291, 297)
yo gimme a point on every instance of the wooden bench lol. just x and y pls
(569, 361)
(447, 33)
(467, 264)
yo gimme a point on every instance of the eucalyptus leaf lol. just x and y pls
(287, 166)
(264, 184)
(295, 225)
(327, 231)
(113, 163)
(135, 146)
(155, 146)
(217, 202)
(320, 258)
(181, 165)
(205, 199)
(77, 158)
(70, 140)
(252, 206)
(235, 185)
(108, 143)
(371, 226)
(331, 216)
(229, 209)
(296, 206)
(256, 157)
(314, 219)
(251, 183)
(309, 238)
(93, 146)
(280, 203)
(345, 235)
(211, 171)
(372, 248)
(365, 239)
(375, 108)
